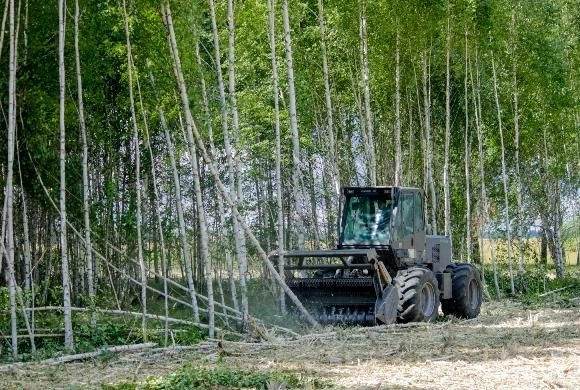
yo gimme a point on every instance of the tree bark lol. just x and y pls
(519, 190)
(86, 195)
(136, 141)
(279, 206)
(504, 178)
(398, 152)
(428, 141)
(467, 160)
(446, 186)
(484, 207)
(297, 190)
(68, 331)
(235, 171)
(369, 139)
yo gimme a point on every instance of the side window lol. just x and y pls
(408, 215)
(419, 224)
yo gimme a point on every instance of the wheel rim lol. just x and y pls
(473, 292)
(427, 299)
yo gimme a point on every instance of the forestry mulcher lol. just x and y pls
(385, 267)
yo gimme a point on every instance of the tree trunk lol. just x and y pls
(298, 217)
(520, 216)
(398, 152)
(240, 249)
(428, 143)
(446, 189)
(484, 207)
(279, 207)
(332, 151)
(467, 161)
(9, 191)
(83, 128)
(68, 331)
(504, 179)
(142, 267)
(235, 171)
(369, 138)
(189, 124)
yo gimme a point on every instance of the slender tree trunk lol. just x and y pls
(504, 179)
(296, 172)
(86, 209)
(189, 124)
(520, 216)
(220, 202)
(279, 206)
(3, 25)
(142, 266)
(467, 160)
(235, 171)
(240, 249)
(428, 141)
(369, 140)
(68, 331)
(9, 191)
(332, 151)
(192, 131)
(484, 202)
(398, 152)
(446, 186)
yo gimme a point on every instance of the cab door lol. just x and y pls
(410, 224)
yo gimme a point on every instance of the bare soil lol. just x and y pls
(507, 347)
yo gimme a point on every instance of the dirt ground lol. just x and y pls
(507, 347)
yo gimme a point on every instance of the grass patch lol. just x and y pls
(192, 377)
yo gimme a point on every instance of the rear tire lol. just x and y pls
(467, 292)
(418, 295)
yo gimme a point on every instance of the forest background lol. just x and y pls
(157, 152)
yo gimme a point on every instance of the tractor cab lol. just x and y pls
(383, 217)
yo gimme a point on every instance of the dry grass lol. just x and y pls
(506, 347)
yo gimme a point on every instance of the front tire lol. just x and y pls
(418, 295)
(467, 292)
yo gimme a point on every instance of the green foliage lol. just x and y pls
(540, 285)
(192, 377)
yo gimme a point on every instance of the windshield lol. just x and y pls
(366, 221)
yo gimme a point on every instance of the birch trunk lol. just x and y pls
(520, 216)
(180, 217)
(279, 205)
(83, 128)
(428, 142)
(504, 178)
(192, 130)
(68, 331)
(9, 183)
(446, 189)
(189, 124)
(332, 151)
(220, 201)
(296, 172)
(3, 25)
(369, 139)
(398, 152)
(467, 160)
(484, 207)
(240, 238)
(240, 250)
(142, 267)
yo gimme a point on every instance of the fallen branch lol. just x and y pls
(122, 312)
(81, 356)
(553, 291)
